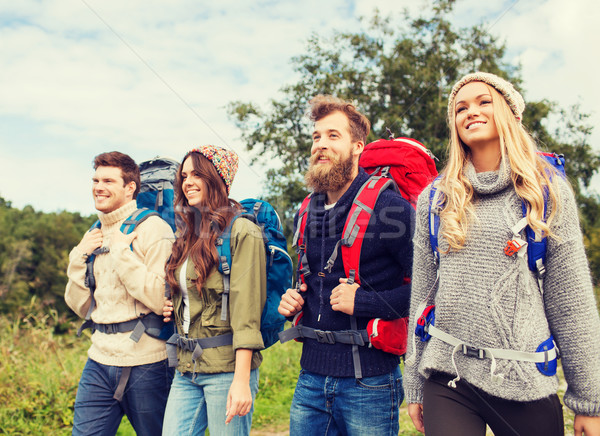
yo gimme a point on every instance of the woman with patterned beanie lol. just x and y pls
(218, 333)
(489, 315)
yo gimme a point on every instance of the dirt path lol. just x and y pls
(269, 433)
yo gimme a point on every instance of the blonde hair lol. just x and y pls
(531, 175)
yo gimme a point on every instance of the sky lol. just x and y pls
(153, 78)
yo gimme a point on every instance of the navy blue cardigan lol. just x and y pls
(386, 258)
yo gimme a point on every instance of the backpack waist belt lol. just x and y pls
(146, 324)
(498, 353)
(351, 337)
(545, 357)
(196, 346)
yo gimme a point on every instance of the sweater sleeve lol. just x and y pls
(396, 220)
(424, 275)
(248, 285)
(571, 308)
(142, 270)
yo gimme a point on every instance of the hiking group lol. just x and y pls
(182, 286)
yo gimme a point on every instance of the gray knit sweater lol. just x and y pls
(487, 299)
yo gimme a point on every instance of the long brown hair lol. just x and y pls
(199, 226)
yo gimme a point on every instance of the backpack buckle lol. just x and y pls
(324, 337)
(473, 351)
(512, 247)
(111, 329)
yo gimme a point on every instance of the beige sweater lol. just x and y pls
(129, 284)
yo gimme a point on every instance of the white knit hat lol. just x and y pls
(511, 95)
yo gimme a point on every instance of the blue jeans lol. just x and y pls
(144, 400)
(196, 403)
(331, 406)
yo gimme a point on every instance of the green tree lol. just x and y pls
(399, 73)
(34, 254)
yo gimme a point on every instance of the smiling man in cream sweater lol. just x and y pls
(122, 375)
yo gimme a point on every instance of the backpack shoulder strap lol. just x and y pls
(89, 279)
(298, 241)
(356, 226)
(536, 247)
(96, 225)
(302, 217)
(138, 217)
(223, 245)
(436, 200)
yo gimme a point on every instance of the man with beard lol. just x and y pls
(344, 388)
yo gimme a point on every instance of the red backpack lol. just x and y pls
(410, 164)
(404, 164)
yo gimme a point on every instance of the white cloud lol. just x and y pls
(150, 78)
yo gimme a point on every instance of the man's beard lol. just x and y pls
(329, 178)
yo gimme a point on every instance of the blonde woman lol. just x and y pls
(497, 323)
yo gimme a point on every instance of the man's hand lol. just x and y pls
(167, 310)
(342, 297)
(291, 302)
(90, 241)
(121, 238)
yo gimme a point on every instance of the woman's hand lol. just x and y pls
(239, 400)
(415, 411)
(167, 310)
(586, 425)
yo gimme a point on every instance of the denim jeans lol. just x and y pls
(144, 400)
(331, 406)
(196, 403)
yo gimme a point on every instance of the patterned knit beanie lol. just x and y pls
(224, 161)
(511, 95)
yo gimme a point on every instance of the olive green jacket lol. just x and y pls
(248, 282)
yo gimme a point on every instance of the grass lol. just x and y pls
(278, 374)
(39, 372)
(40, 369)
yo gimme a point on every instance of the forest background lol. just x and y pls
(399, 75)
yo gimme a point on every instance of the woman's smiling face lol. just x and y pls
(474, 115)
(192, 185)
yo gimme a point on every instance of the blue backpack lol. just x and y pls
(536, 250)
(156, 187)
(279, 265)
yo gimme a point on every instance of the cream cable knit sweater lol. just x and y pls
(128, 284)
(486, 299)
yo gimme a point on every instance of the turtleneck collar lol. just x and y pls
(108, 219)
(489, 182)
